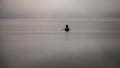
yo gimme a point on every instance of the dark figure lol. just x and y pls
(67, 28)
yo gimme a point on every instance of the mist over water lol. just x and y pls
(32, 34)
(35, 43)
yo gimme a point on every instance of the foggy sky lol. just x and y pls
(59, 8)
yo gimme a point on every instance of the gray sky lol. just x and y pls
(59, 8)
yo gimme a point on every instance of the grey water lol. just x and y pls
(29, 43)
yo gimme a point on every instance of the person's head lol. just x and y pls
(67, 26)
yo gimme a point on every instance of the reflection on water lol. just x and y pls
(43, 44)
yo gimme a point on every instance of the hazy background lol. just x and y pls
(59, 8)
(32, 34)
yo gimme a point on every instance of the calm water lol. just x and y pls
(44, 44)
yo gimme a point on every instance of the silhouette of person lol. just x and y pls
(67, 28)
